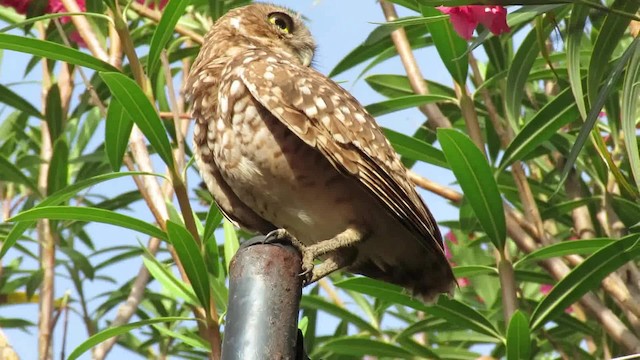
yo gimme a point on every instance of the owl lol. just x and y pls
(287, 152)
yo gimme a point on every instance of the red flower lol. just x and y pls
(20, 6)
(466, 18)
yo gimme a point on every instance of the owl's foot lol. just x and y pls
(283, 236)
(339, 251)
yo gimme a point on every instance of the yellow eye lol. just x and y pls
(282, 21)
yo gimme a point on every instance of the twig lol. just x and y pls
(170, 115)
(418, 84)
(331, 292)
(85, 30)
(156, 15)
(434, 187)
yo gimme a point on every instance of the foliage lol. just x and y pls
(541, 136)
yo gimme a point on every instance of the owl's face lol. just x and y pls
(272, 27)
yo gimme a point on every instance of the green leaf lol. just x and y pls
(380, 290)
(405, 102)
(192, 340)
(177, 288)
(451, 47)
(319, 303)
(577, 20)
(608, 39)
(473, 270)
(89, 214)
(393, 86)
(359, 347)
(594, 112)
(165, 30)
(518, 337)
(9, 172)
(586, 246)
(213, 220)
(476, 180)
(57, 198)
(371, 49)
(416, 149)
(19, 103)
(519, 71)
(58, 175)
(137, 105)
(545, 123)
(631, 112)
(463, 316)
(117, 133)
(53, 113)
(584, 278)
(231, 243)
(116, 331)
(52, 50)
(191, 260)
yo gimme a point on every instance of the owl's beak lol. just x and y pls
(306, 56)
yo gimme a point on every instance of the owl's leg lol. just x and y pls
(339, 259)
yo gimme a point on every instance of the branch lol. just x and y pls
(418, 84)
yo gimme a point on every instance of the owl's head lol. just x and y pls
(267, 26)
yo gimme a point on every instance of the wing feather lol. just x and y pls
(327, 117)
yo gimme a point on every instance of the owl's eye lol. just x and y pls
(282, 21)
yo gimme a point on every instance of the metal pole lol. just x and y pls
(264, 297)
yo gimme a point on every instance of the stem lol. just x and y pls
(46, 241)
(85, 30)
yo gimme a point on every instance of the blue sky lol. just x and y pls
(338, 27)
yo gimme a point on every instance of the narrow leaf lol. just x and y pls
(137, 105)
(518, 337)
(9, 172)
(451, 47)
(165, 30)
(117, 133)
(545, 123)
(89, 214)
(596, 106)
(584, 278)
(587, 246)
(319, 303)
(416, 149)
(577, 20)
(405, 102)
(631, 112)
(19, 103)
(53, 113)
(476, 180)
(118, 330)
(52, 50)
(191, 260)
(519, 72)
(57, 198)
(231, 243)
(58, 176)
(608, 39)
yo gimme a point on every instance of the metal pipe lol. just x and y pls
(264, 297)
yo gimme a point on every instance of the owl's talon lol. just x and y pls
(281, 236)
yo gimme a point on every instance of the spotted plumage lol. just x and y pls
(280, 146)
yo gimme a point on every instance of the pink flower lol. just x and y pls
(20, 6)
(465, 19)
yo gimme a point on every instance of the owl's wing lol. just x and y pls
(327, 117)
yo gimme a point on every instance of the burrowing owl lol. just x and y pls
(286, 151)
